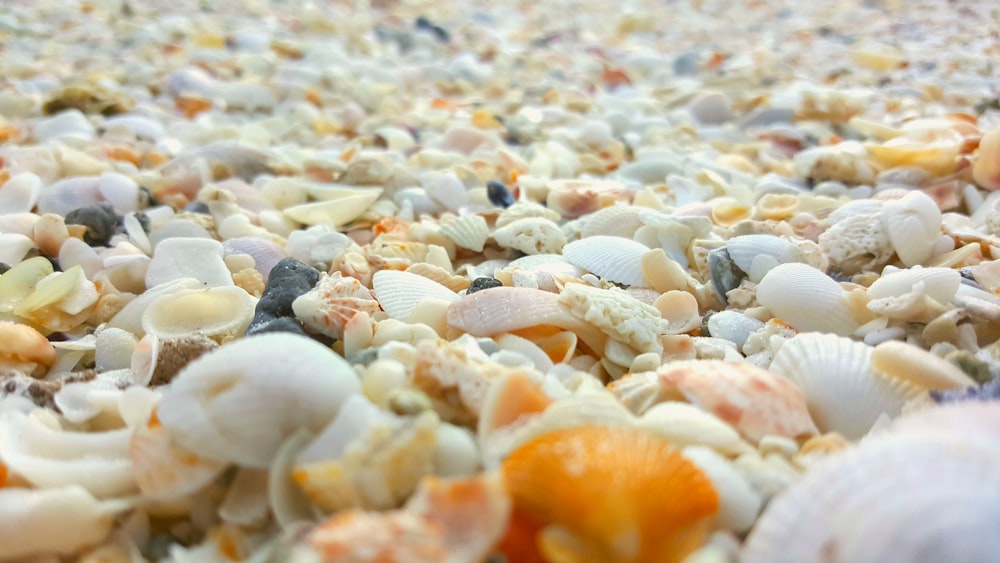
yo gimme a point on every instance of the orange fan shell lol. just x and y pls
(596, 494)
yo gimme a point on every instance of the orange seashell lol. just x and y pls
(605, 494)
(510, 398)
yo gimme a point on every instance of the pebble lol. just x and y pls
(287, 280)
(100, 220)
(480, 284)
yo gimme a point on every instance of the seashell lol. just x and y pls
(844, 162)
(532, 235)
(683, 425)
(60, 302)
(466, 231)
(246, 502)
(71, 123)
(288, 503)
(197, 258)
(733, 326)
(20, 193)
(616, 221)
(35, 447)
(680, 310)
(636, 486)
(227, 404)
(933, 150)
(120, 191)
(455, 452)
(755, 401)
(807, 299)
(129, 318)
(69, 194)
(739, 503)
(613, 258)
(857, 243)
(24, 349)
(525, 210)
(220, 313)
(576, 198)
(448, 520)
(56, 520)
(114, 349)
(14, 247)
(163, 468)
(940, 284)
(744, 250)
(366, 458)
(265, 253)
(839, 507)
(337, 206)
(913, 225)
(986, 168)
(453, 282)
(918, 366)
(328, 307)
(842, 391)
(399, 293)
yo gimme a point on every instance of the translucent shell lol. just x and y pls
(597, 493)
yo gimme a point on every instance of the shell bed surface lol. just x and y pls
(463, 281)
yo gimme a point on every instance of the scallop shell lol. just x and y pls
(337, 206)
(613, 258)
(228, 404)
(466, 231)
(913, 224)
(744, 251)
(399, 293)
(835, 374)
(220, 313)
(617, 221)
(940, 284)
(578, 492)
(941, 499)
(453, 282)
(807, 299)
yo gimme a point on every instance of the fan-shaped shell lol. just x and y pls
(613, 258)
(745, 249)
(219, 313)
(807, 299)
(240, 401)
(939, 503)
(617, 221)
(913, 224)
(597, 493)
(399, 292)
(835, 374)
(467, 231)
(337, 206)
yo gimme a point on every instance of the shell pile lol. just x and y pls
(461, 281)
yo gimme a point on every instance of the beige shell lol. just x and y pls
(623, 317)
(532, 235)
(466, 231)
(918, 366)
(613, 258)
(220, 313)
(617, 221)
(913, 224)
(684, 424)
(835, 374)
(986, 169)
(337, 206)
(453, 282)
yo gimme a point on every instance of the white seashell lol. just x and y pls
(288, 503)
(58, 520)
(913, 224)
(616, 221)
(197, 258)
(807, 299)
(466, 231)
(176, 229)
(130, 317)
(246, 502)
(164, 469)
(228, 404)
(939, 504)
(71, 123)
(20, 193)
(141, 126)
(455, 452)
(614, 258)
(733, 326)
(532, 235)
(114, 349)
(35, 447)
(445, 189)
(539, 359)
(70, 194)
(739, 503)
(843, 393)
(81, 401)
(918, 366)
(744, 250)
(337, 206)
(399, 292)
(220, 313)
(940, 284)
(120, 191)
(684, 424)
(14, 247)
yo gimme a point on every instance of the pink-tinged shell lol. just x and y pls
(335, 300)
(576, 198)
(755, 401)
(265, 253)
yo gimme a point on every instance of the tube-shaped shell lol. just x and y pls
(613, 258)
(598, 493)
(807, 299)
(239, 402)
(844, 394)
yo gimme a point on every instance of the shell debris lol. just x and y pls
(465, 281)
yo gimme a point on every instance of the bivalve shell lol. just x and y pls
(807, 299)
(399, 293)
(220, 313)
(613, 258)
(913, 224)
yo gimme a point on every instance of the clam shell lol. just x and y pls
(835, 374)
(328, 307)
(918, 366)
(130, 317)
(399, 292)
(617, 221)
(613, 258)
(807, 299)
(739, 503)
(228, 404)
(466, 231)
(184, 257)
(219, 313)
(337, 206)
(745, 250)
(14, 247)
(683, 424)
(20, 193)
(940, 284)
(913, 224)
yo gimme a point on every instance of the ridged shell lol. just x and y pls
(613, 258)
(616, 221)
(579, 492)
(337, 206)
(328, 307)
(913, 224)
(745, 249)
(835, 375)
(938, 500)
(219, 313)
(941, 284)
(228, 404)
(453, 282)
(399, 292)
(467, 231)
(265, 253)
(807, 299)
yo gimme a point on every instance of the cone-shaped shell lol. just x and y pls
(597, 493)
